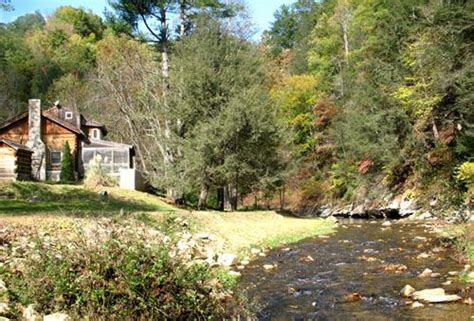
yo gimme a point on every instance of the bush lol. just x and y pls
(343, 179)
(67, 165)
(464, 174)
(96, 176)
(118, 273)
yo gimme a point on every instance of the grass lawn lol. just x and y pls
(240, 231)
(28, 197)
(55, 207)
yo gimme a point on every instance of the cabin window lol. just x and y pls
(68, 115)
(56, 158)
(96, 133)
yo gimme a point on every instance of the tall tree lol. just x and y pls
(230, 134)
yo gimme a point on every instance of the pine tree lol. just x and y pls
(67, 165)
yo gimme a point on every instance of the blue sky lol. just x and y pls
(261, 10)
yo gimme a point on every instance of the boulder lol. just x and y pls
(227, 259)
(325, 211)
(436, 295)
(387, 223)
(57, 317)
(407, 291)
(29, 314)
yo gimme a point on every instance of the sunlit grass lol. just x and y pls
(28, 197)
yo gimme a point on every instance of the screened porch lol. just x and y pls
(112, 156)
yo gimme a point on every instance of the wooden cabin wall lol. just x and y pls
(23, 165)
(17, 132)
(54, 137)
(7, 163)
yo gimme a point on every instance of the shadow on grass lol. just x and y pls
(21, 198)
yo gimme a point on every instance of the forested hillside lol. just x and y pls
(342, 101)
(378, 95)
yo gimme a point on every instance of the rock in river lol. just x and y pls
(436, 295)
(407, 291)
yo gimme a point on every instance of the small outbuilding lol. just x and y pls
(15, 161)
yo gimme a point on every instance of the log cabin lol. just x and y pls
(38, 137)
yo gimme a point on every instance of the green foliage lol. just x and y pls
(67, 165)
(228, 128)
(464, 174)
(343, 179)
(118, 275)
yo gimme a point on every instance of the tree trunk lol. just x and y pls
(220, 199)
(202, 203)
(182, 17)
(165, 67)
(233, 198)
(435, 129)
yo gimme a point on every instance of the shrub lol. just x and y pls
(118, 273)
(343, 179)
(67, 165)
(96, 175)
(464, 174)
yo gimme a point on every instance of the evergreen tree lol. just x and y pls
(229, 130)
(67, 165)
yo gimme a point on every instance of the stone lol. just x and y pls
(268, 266)
(255, 251)
(407, 291)
(417, 304)
(453, 273)
(386, 223)
(29, 314)
(227, 259)
(244, 262)
(332, 219)
(57, 317)
(426, 273)
(406, 207)
(234, 273)
(436, 295)
(4, 309)
(325, 211)
(448, 282)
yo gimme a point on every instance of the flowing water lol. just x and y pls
(317, 279)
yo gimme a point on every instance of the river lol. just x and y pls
(348, 275)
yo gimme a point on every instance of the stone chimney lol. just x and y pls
(38, 158)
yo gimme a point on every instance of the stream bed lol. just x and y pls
(356, 274)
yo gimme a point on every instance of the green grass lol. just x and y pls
(56, 205)
(27, 197)
(238, 232)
